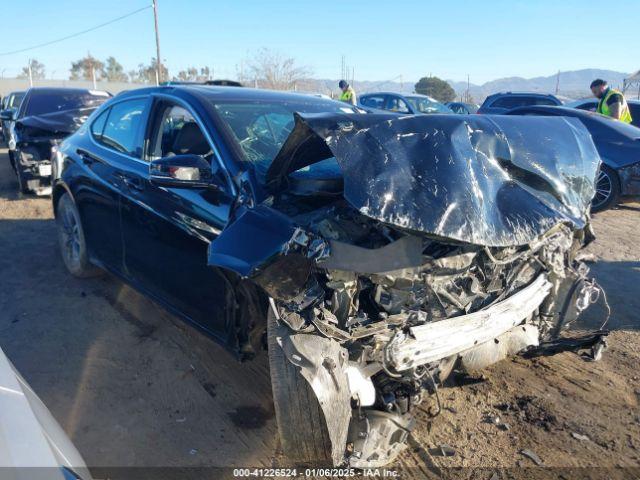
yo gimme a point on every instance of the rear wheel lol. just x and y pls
(73, 247)
(607, 190)
(303, 431)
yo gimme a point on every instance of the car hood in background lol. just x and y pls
(64, 122)
(487, 180)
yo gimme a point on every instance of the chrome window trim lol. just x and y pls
(198, 119)
(102, 145)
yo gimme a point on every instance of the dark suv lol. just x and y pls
(499, 103)
(44, 118)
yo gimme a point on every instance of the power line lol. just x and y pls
(76, 34)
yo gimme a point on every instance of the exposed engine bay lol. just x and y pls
(452, 244)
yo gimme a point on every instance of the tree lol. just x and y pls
(114, 72)
(147, 73)
(436, 88)
(272, 70)
(87, 68)
(37, 70)
(192, 74)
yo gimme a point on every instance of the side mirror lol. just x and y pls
(7, 115)
(185, 171)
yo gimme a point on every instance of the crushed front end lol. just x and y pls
(37, 139)
(454, 244)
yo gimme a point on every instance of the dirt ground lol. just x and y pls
(135, 387)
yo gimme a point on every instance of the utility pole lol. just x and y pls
(558, 82)
(468, 86)
(93, 75)
(30, 75)
(158, 61)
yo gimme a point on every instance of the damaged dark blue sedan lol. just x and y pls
(378, 252)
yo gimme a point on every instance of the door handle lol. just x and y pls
(86, 157)
(131, 182)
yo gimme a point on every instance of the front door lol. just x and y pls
(167, 231)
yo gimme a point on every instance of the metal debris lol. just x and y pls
(532, 456)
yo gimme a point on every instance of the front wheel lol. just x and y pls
(73, 246)
(21, 177)
(301, 423)
(607, 190)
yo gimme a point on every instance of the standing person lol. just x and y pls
(348, 93)
(612, 102)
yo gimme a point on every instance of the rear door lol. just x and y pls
(115, 140)
(167, 231)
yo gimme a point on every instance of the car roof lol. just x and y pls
(536, 94)
(580, 101)
(228, 93)
(54, 90)
(381, 93)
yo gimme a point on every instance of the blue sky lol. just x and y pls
(380, 39)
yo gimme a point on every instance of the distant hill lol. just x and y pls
(573, 84)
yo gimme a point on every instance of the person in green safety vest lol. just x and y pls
(348, 93)
(612, 102)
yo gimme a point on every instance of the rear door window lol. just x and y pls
(122, 128)
(373, 101)
(98, 124)
(521, 101)
(396, 104)
(543, 101)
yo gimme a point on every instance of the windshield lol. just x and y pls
(15, 99)
(41, 103)
(427, 105)
(260, 128)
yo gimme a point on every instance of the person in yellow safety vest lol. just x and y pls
(348, 93)
(612, 102)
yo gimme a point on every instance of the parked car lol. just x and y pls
(590, 104)
(44, 118)
(372, 268)
(618, 145)
(414, 104)
(10, 104)
(32, 443)
(500, 103)
(462, 108)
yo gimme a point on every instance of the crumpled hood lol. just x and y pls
(63, 122)
(487, 180)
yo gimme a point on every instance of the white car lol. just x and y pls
(33, 446)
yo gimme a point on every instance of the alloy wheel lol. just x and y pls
(70, 236)
(604, 187)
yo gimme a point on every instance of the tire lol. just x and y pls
(73, 247)
(607, 190)
(12, 160)
(22, 181)
(303, 432)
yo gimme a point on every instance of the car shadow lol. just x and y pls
(131, 384)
